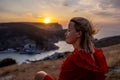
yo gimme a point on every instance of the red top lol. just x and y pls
(80, 66)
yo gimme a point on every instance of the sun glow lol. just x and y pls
(47, 20)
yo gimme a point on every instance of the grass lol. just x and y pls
(27, 71)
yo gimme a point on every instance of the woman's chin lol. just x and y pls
(68, 42)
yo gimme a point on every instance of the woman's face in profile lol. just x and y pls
(71, 34)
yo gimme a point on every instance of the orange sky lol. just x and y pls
(98, 11)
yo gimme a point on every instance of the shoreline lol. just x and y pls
(19, 72)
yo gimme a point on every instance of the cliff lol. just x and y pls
(17, 35)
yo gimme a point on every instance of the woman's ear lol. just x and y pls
(79, 34)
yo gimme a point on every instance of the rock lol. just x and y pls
(9, 50)
(7, 62)
(7, 77)
(57, 55)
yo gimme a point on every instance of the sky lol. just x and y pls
(99, 12)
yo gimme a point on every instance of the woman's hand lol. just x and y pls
(40, 75)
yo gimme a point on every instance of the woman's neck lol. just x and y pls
(76, 45)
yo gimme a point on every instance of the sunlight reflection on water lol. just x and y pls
(20, 58)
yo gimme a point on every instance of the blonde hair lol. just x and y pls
(87, 29)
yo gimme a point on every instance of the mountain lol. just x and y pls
(18, 34)
(22, 36)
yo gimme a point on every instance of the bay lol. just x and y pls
(63, 46)
(21, 58)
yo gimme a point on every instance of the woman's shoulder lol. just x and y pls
(75, 54)
(98, 52)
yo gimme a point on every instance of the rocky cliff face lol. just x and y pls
(17, 35)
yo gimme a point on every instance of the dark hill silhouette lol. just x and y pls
(108, 41)
(13, 35)
(16, 35)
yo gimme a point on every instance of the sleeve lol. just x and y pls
(102, 61)
(48, 77)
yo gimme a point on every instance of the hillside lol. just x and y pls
(21, 72)
(37, 37)
(107, 41)
(17, 35)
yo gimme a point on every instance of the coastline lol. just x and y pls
(20, 71)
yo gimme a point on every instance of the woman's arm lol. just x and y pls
(102, 61)
(48, 77)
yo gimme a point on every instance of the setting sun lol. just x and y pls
(47, 20)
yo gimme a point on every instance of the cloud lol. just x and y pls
(108, 14)
(107, 9)
(3, 10)
(33, 15)
(68, 3)
(61, 8)
(116, 3)
(104, 4)
(8, 11)
(103, 13)
(53, 3)
(85, 6)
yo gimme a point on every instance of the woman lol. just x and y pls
(86, 62)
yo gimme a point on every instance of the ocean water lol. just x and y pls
(20, 58)
(63, 46)
(107, 31)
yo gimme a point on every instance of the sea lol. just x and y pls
(63, 47)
